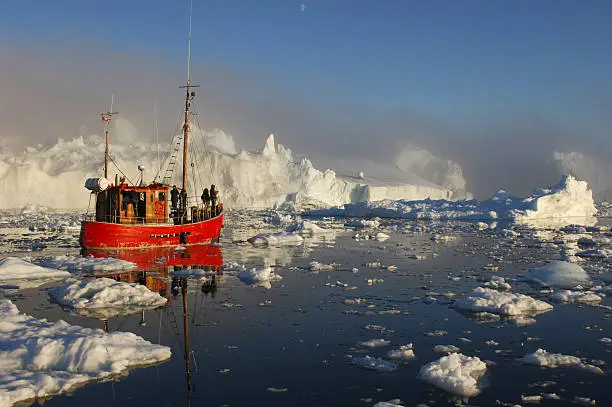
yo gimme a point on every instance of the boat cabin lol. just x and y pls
(128, 204)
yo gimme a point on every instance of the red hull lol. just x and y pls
(102, 235)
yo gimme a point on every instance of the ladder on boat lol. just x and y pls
(173, 160)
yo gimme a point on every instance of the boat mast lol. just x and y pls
(107, 117)
(188, 97)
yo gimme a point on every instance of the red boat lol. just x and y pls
(136, 216)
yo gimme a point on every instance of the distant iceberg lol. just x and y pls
(55, 176)
(570, 201)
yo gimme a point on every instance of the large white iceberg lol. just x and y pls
(54, 176)
(570, 201)
(40, 359)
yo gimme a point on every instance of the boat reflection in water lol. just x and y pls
(169, 271)
(160, 269)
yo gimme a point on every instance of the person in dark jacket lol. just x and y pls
(183, 205)
(214, 198)
(206, 201)
(174, 197)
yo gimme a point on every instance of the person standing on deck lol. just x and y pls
(206, 201)
(183, 205)
(214, 198)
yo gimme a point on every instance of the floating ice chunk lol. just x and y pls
(390, 403)
(486, 299)
(575, 296)
(381, 237)
(258, 275)
(595, 253)
(605, 341)
(585, 401)
(306, 227)
(417, 256)
(363, 223)
(498, 283)
(40, 358)
(375, 343)
(316, 266)
(405, 352)
(443, 238)
(13, 269)
(535, 399)
(73, 263)
(372, 363)
(558, 274)
(522, 321)
(446, 349)
(105, 293)
(277, 239)
(456, 374)
(541, 357)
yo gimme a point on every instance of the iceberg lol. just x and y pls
(54, 175)
(568, 202)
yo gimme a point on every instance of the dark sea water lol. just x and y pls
(293, 344)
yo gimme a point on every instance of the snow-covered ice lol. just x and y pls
(456, 374)
(404, 352)
(20, 273)
(106, 293)
(541, 357)
(40, 358)
(87, 264)
(584, 297)
(372, 363)
(489, 300)
(259, 276)
(375, 343)
(560, 274)
(277, 239)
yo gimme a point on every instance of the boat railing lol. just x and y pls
(197, 216)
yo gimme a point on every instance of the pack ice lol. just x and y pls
(40, 358)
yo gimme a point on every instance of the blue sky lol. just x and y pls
(446, 58)
(486, 67)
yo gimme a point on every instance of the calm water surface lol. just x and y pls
(292, 344)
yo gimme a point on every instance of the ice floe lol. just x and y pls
(404, 352)
(40, 359)
(259, 276)
(560, 274)
(446, 349)
(277, 239)
(584, 297)
(541, 357)
(456, 374)
(100, 293)
(372, 363)
(375, 343)
(489, 300)
(88, 264)
(14, 268)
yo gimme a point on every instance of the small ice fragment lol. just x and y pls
(455, 373)
(375, 343)
(446, 349)
(372, 363)
(405, 352)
